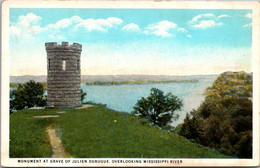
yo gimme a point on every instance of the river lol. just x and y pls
(124, 97)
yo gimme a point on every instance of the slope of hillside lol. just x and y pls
(98, 132)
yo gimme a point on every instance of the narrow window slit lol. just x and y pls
(49, 62)
(64, 65)
(77, 64)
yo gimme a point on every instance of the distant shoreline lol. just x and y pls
(116, 78)
(138, 82)
(107, 83)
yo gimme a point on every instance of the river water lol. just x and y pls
(124, 97)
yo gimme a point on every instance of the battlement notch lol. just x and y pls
(63, 45)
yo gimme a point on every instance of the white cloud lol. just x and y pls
(165, 29)
(15, 30)
(182, 30)
(204, 21)
(161, 28)
(222, 16)
(29, 25)
(185, 32)
(248, 25)
(28, 20)
(61, 24)
(131, 27)
(165, 25)
(146, 32)
(206, 24)
(98, 24)
(196, 18)
(76, 19)
(115, 20)
(248, 15)
(26, 26)
(163, 33)
(91, 24)
(35, 29)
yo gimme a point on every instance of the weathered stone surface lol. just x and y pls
(63, 82)
(65, 100)
(60, 93)
(63, 85)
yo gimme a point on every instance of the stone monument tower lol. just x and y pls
(63, 79)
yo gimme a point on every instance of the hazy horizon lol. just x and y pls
(134, 74)
(174, 42)
(139, 74)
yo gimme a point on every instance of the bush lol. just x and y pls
(158, 108)
(191, 128)
(82, 95)
(27, 95)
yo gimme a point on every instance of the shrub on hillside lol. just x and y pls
(27, 95)
(224, 119)
(191, 128)
(82, 95)
(158, 108)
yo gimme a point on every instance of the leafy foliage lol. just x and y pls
(82, 95)
(158, 108)
(27, 95)
(224, 119)
(15, 85)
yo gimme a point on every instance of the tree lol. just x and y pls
(27, 95)
(224, 119)
(158, 108)
(82, 95)
(191, 128)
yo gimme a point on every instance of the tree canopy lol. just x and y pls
(27, 95)
(224, 119)
(158, 108)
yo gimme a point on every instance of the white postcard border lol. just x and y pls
(6, 5)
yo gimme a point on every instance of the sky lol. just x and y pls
(134, 41)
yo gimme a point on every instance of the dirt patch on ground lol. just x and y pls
(84, 106)
(46, 116)
(57, 147)
(61, 112)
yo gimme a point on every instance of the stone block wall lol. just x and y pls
(63, 78)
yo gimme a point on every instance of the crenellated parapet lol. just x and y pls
(63, 45)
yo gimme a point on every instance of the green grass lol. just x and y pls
(28, 136)
(99, 132)
(137, 82)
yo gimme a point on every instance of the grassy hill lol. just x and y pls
(98, 132)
